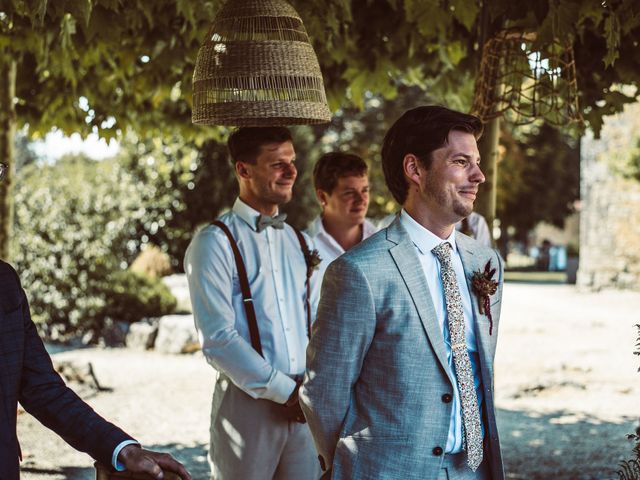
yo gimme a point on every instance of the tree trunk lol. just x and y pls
(486, 203)
(7, 137)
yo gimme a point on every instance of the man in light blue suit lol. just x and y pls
(399, 381)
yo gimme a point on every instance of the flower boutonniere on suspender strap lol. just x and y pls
(484, 286)
(312, 260)
(311, 257)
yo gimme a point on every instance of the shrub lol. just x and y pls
(630, 469)
(152, 262)
(133, 296)
(76, 232)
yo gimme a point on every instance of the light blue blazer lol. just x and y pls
(377, 372)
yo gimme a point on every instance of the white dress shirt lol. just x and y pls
(327, 246)
(479, 229)
(276, 270)
(424, 242)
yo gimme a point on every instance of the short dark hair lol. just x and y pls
(420, 131)
(245, 143)
(335, 165)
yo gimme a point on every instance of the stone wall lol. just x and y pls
(610, 213)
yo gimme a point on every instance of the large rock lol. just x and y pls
(177, 334)
(179, 288)
(142, 335)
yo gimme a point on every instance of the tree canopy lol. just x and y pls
(105, 65)
(110, 66)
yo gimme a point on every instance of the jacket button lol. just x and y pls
(323, 466)
(437, 451)
(446, 398)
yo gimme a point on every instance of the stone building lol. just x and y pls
(610, 213)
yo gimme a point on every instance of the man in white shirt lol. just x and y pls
(341, 181)
(475, 225)
(250, 280)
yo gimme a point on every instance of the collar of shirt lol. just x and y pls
(247, 213)
(424, 239)
(327, 243)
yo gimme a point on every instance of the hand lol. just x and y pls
(293, 413)
(137, 460)
(291, 409)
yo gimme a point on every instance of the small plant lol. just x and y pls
(133, 296)
(153, 262)
(630, 469)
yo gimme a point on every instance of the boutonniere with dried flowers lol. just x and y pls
(312, 259)
(484, 286)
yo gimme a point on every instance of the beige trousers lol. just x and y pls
(251, 441)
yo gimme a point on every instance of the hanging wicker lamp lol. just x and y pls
(257, 68)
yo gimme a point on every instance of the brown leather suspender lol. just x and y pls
(247, 300)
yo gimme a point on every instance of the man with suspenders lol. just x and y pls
(251, 284)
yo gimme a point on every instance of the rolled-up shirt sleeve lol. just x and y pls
(210, 265)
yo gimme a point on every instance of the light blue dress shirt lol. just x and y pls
(425, 241)
(114, 457)
(276, 270)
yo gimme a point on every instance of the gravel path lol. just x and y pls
(567, 389)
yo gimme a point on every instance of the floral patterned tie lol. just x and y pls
(461, 360)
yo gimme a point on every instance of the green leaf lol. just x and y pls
(431, 19)
(185, 8)
(592, 11)
(40, 11)
(67, 31)
(612, 35)
(465, 11)
(81, 10)
(456, 51)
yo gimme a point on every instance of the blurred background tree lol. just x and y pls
(79, 230)
(539, 180)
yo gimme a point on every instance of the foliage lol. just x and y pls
(105, 65)
(76, 225)
(630, 469)
(133, 296)
(153, 262)
(634, 163)
(110, 66)
(23, 151)
(183, 187)
(539, 179)
(637, 352)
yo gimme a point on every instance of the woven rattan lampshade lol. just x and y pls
(257, 68)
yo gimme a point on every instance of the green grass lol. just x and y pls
(535, 277)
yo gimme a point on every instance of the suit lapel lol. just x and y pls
(472, 263)
(408, 263)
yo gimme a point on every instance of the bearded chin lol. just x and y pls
(462, 209)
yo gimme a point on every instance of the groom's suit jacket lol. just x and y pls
(27, 376)
(377, 393)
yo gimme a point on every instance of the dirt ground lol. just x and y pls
(567, 389)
